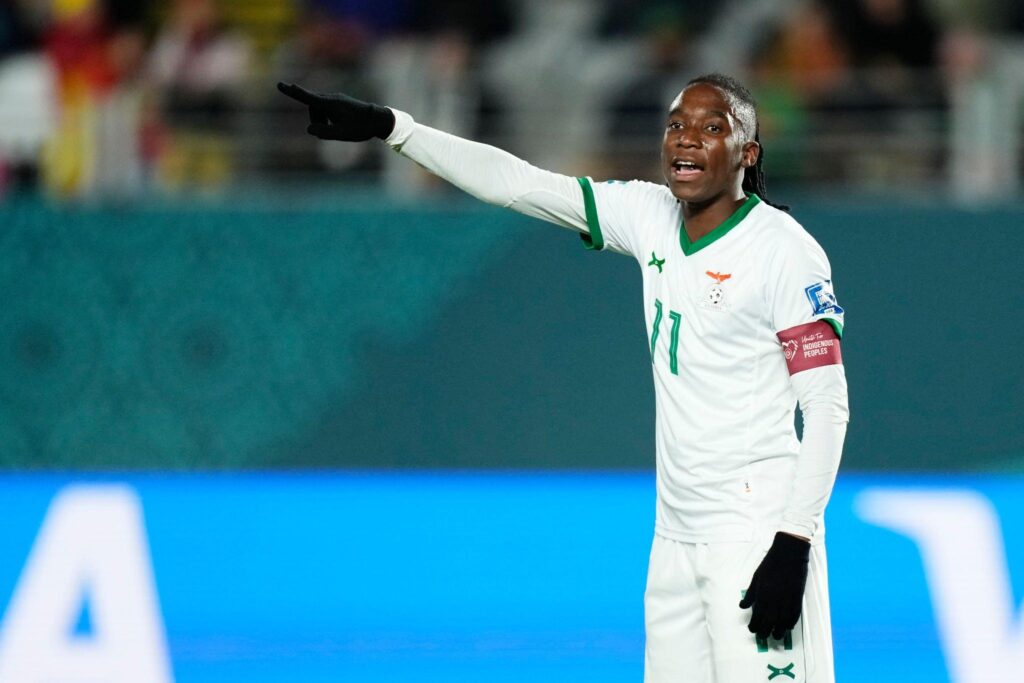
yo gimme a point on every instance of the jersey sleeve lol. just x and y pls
(491, 174)
(616, 213)
(799, 286)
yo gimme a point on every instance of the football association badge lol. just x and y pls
(714, 297)
(823, 299)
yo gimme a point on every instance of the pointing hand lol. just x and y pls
(340, 117)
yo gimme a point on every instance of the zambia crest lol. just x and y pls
(714, 298)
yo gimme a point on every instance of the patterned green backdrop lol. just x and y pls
(186, 337)
(449, 334)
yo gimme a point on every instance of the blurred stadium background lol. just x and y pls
(273, 409)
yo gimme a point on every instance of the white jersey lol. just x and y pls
(726, 442)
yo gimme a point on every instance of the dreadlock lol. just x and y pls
(745, 107)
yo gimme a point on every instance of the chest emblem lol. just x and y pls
(655, 261)
(714, 298)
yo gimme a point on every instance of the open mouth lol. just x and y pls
(685, 170)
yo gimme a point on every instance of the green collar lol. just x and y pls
(690, 248)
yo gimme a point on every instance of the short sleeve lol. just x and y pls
(800, 286)
(616, 213)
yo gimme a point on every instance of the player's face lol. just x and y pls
(705, 149)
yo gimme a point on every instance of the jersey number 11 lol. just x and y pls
(673, 345)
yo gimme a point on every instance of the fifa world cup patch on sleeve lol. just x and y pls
(823, 299)
(812, 345)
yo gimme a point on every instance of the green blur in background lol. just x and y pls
(360, 333)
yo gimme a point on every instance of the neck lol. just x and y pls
(700, 218)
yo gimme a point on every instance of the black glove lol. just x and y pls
(340, 117)
(777, 590)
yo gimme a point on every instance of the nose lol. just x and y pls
(689, 137)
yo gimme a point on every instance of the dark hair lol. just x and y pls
(745, 107)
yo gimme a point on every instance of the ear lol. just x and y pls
(751, 151)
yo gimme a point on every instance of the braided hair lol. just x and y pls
(745, 108)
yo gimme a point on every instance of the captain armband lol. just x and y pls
(812, 345)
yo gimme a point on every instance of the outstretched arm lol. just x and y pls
(488, 173)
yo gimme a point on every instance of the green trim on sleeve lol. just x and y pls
(836, 325)
(595, 240)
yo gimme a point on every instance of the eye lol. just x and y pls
(714, 128)
(675, 125)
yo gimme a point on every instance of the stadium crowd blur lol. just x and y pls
(114, 98)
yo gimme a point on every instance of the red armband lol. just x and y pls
(813, 345)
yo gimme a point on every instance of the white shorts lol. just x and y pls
(697, 632)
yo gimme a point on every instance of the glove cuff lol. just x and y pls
(791, 546)
(383, 121)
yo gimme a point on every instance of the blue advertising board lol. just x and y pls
(460, 577)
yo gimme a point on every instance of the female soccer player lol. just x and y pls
(743, 324)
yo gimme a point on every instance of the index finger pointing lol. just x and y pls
(297, 93)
